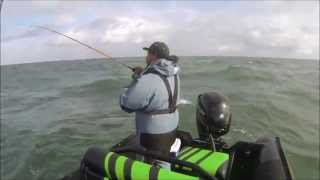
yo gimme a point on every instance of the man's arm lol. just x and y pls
(138, 95)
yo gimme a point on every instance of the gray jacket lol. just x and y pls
(148, 93)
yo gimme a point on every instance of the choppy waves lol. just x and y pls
(52, 112)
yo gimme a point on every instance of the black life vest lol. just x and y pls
(173, 97)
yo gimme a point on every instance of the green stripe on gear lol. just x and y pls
(183, 151)
(120, 166)
(165, 174)
(213, 162)
(188, 153)
(140, 171)
(208, 160)
(198, 156)
(106, 162)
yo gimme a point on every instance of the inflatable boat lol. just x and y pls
(205, 157)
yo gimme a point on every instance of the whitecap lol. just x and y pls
(184, 101)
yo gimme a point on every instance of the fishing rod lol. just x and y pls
(86, 45)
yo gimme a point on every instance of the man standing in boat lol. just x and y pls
(153, 96)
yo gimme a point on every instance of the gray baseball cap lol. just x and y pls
(160, 49)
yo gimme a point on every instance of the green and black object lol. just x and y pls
(100, 165)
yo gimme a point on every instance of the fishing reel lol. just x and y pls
(213, 116)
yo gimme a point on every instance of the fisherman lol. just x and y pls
(153, 95)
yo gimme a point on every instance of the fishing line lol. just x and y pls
(108, 57)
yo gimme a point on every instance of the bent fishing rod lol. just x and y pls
(108, 57)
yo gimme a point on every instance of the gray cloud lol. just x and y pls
(268, 29)
(28, 34)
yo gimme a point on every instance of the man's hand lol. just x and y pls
(137, 71)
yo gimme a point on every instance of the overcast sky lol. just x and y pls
(288, 29)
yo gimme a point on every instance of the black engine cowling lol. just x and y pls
(213, 115)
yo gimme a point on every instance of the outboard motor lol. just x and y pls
(213, 115)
